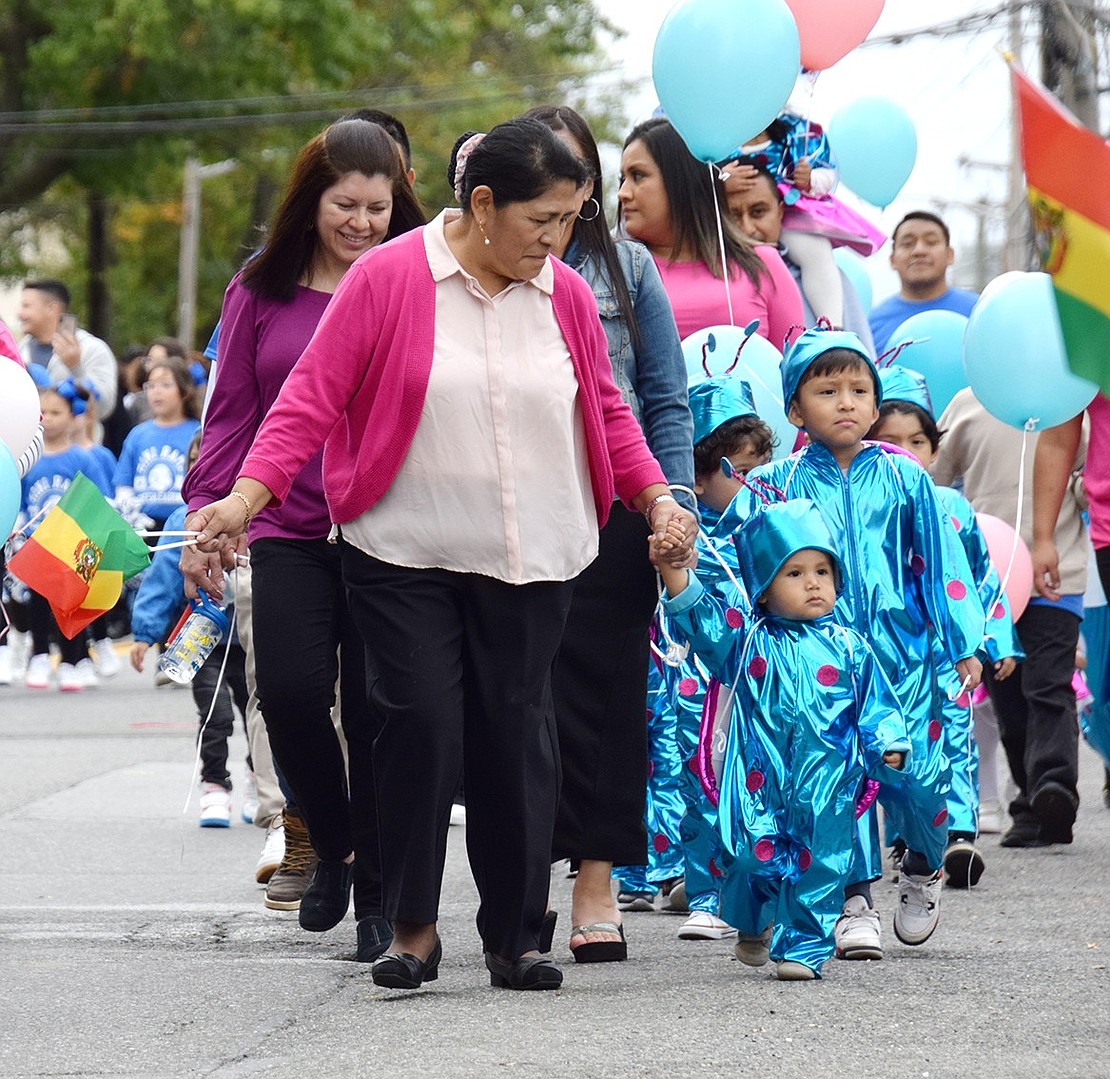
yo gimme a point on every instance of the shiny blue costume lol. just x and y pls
(810, 714)
(905, 572)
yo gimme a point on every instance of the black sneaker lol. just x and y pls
(963, 864)
(1024, 832)
(1055, 809)
(326, 900)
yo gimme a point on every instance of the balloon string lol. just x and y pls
(1029, 426)
(721, 241)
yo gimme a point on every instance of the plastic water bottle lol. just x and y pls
(203, 630)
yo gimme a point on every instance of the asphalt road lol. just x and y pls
(133, 943)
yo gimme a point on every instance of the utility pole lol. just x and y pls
(187, 258)
(1069, 58)
(1017, 254)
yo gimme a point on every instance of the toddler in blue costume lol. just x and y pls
(906, 421)
(811, 714)
(906, 577)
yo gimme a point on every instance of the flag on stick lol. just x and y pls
(1067, 169)
(79, 556)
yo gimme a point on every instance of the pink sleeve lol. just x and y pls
(784, 301)
(8, 346)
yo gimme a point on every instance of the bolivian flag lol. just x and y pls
(79, 556)
(1067, 169)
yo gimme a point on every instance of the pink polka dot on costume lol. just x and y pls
(757, 668)
(647, 714)
(715, 870)
(934, 731)
(828, 675)
(764, 850)
(754, 780)
(940, 818)
(692, 764)
(956, 589)
(734, 618)
(998, 611)
(687, 687)
(963, 701)
(651, 769)
(955, 523)
(805, 860)
(917, 565)
(660, 843)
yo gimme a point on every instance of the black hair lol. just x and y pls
(453, 156)
(593, 236)
(929, 426)
(518, 160)
(765, 173)
(183, 379)
(392, 126)
(731, 437)
(346, 146)
(52, 287)
(692, 192)
(173, 346)
(922, 215)
(833, 362)
(46, 391)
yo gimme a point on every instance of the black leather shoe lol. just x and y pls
(327, 897)
(401, 970)
(528, 972)
(375, 935)
(1025, 832)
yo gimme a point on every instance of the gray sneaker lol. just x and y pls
(292, 877)
(918, 907)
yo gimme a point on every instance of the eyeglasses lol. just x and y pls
(169, 384)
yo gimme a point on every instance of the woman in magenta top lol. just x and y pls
(347, 194)
(473, 442)
(666, 202)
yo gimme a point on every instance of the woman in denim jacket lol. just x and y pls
(600, 678)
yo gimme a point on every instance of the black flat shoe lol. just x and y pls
(527, 972)
(327, 897)
(547, 931)
(401, 970)
(1055, 810)
(375, 935)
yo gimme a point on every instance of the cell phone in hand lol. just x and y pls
(69, 325)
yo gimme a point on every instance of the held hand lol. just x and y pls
(1046, 569)
(204, 570)
(895, 760)
(1004, 668)
(67, 348)
(803, 175)
(970, 671)
(674, 531)
(138, 653)
(219, 523)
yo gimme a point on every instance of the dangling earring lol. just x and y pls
(597, 210)
(485, 238)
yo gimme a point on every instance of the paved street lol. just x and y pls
(134, 943)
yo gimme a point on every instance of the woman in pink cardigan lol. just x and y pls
(473, 441)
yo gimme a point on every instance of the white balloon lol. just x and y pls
(19, 407)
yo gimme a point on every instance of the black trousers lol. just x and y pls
(463, 680)
(304, 641)
(220, 727)
(1036, 706)
(600, 686)
(44, 629)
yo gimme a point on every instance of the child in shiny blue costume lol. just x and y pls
(906, 577)
(810, 715)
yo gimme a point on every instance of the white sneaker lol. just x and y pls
(215, 806)
(86, 672)
(105, 658)
(990, 818)
(38, 672)
(273, 851)
(918, 907)
(858, 933)
(458, 815)
(789, 971)
(673, 897)
(70, 679)
(6, 674)
(701, 925)
(754, 951)
(249, 809)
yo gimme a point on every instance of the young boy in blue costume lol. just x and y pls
(906, 421)
(811, 714)
(905, 573)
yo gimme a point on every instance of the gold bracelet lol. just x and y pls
(246, 505)
(649, 509)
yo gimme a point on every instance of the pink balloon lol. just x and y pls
(830, 29)
(1000, 542)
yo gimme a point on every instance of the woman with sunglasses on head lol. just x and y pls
(602, 734)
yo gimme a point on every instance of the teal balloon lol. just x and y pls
(9, 492)
(716, 351)
(874, 142)
(723, 70)
(937, 352)
(854, 269)
(1015, 357)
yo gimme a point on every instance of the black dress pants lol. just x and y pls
(462, 667)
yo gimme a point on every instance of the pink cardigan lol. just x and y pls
(359, 387)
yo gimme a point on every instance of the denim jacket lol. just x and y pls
(651, 379)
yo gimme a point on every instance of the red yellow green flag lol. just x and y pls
(79, 556)
(1067, 169)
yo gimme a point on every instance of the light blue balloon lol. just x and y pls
(937, 352)
(874, 142)
(723, 70)
(711, 352)
(9, 492)
(1015, 357)
(856, 272)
